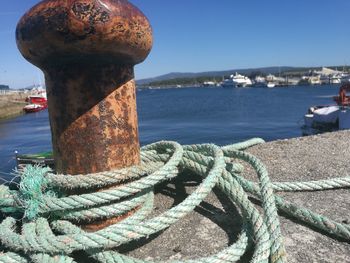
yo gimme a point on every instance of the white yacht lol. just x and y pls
(335, 79)
(270, 85)
(272, 81)
(310, 80)
(237, 80)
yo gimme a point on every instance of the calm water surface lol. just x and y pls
(191, 115)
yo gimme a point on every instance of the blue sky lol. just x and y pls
(205, 35)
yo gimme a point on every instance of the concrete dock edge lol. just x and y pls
(216, 224)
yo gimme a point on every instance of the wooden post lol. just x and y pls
(87, 50)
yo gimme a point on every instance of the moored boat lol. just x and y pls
(42, 159)
(271, 85)
(329, 118)
(237, 80)
(335, 79)
(30, 108)
(36, 103)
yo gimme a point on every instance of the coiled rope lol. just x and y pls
(48, 230)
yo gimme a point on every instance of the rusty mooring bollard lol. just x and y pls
(87, 50)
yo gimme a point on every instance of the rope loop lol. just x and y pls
(43, 221)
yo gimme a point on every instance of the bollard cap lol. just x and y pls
(56, 32)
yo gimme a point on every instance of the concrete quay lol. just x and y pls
(12, 104)
(216, 223)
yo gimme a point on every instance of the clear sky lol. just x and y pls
(205, 35)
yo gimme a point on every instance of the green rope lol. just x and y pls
(50, 213)
(31, 193)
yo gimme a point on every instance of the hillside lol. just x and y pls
(187, 78)
(211, 74)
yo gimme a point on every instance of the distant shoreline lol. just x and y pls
(148, 87)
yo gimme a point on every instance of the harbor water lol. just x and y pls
(188, 115)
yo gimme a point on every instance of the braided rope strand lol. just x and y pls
(49, 233)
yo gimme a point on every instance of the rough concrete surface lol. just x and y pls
(215, 224)
(11, 105)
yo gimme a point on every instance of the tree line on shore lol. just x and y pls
(186, 81)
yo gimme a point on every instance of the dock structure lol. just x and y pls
(11, 104)
(104, 207)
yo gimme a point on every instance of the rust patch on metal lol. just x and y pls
(69, 30)
(87, 50)
(93, 118)
(89, 12)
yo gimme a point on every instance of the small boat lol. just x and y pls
(335, 79)
(270, 85)
(42, 159)
(36, 103)
(22, 160)
(209, 84)
(30, 108)
(36, 99)
(310, 80)
(273, 81)
(328, 118)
